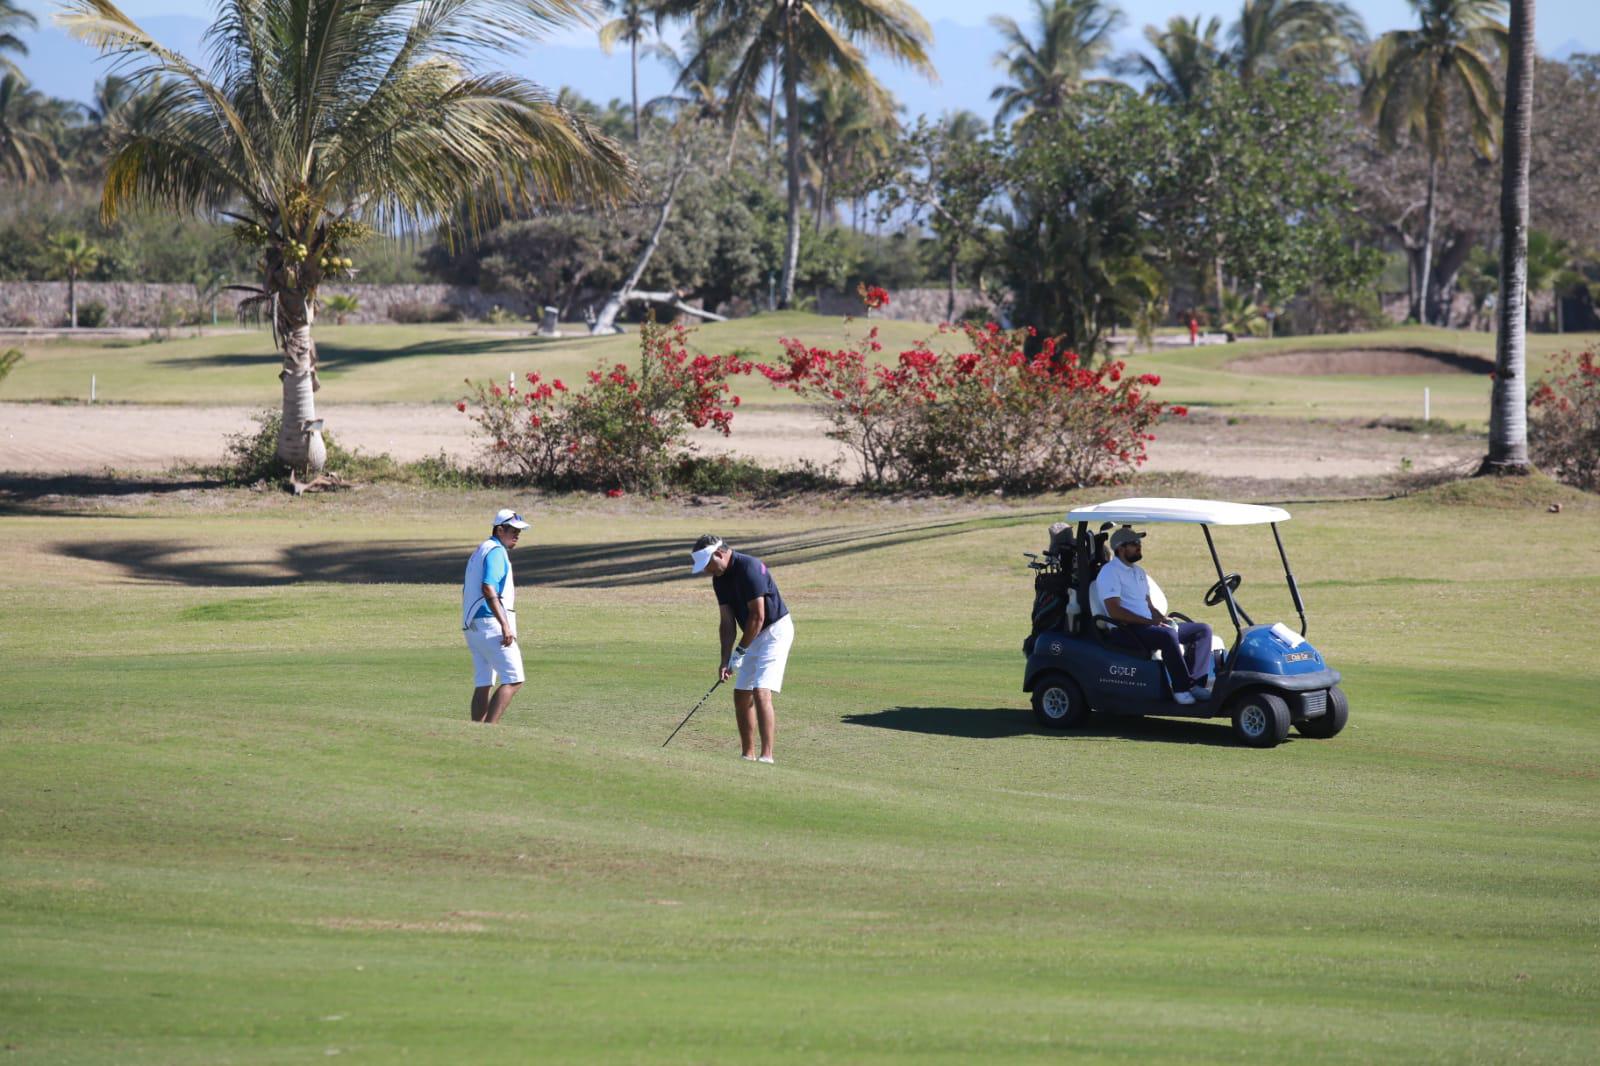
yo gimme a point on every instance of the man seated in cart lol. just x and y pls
(1124, 589)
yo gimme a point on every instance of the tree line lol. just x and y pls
(1282, 162)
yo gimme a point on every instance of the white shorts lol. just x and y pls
(489, 658)
(764, 662)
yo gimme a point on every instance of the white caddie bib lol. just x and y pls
(472, 586)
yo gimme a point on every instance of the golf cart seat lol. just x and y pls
(1098, 607)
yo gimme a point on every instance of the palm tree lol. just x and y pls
(1241, 315)
(13, 18)
(635, 19)
(1553, 264)
(844, 124)
(1508, 401)
(1073, 37)
(1293, 34)
(699, 77)
(801, 39)
(321, 122)
(27, 151)
(68, 255)
(1186, 56)
(112, 94)
(1414, 76)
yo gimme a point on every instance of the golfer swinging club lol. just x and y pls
(748, 601)
(488, 618)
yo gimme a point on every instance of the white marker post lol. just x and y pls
(1427, 405)
(91, 388)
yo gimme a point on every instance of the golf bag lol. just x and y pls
(1053, 592)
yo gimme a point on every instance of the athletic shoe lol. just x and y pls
(765, 758)
(1184, 698)
(1200, 692)
(748, 758)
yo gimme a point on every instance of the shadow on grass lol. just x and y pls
(614, 564)
(334, 357)
(985, 723)
(40, 493)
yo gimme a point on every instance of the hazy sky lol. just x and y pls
(963, 53)
(1559, 23)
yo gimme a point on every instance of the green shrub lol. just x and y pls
(91, 314)
(499, 316)
(252, 456)
(9, 360)
(341, 307)
(412, 313)
(726, 475)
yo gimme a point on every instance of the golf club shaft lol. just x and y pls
(690, 715)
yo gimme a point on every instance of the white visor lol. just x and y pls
(703, 556)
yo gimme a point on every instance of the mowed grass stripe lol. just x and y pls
(250, 823)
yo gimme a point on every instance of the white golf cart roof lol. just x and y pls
(1198, 512)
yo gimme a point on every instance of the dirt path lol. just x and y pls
(50, 438)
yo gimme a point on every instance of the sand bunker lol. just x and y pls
(1366, 362)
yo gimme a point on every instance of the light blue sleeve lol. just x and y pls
(495, 568)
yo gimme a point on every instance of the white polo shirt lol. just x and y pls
(1128, 584)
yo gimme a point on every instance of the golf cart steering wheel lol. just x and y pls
(1214, 594)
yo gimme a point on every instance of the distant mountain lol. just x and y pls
(1569, 48)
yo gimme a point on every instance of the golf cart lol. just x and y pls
(1269, 679)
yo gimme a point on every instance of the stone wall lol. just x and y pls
(905, 305)
(44, 303)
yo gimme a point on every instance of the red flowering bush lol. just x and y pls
(625, 429)
(872, 296)
(989, 416)
(1564, 427)
(869, 404)
(525, 429)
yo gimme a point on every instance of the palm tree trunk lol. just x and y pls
(772, 114)
(299, 436)
(72, 297)
(950, 295)
(633, 50)
(822, 196)
(1508, 403)
(791, 126)
(733, 136)
(1419, 306)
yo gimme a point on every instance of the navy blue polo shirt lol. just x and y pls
(746, 578)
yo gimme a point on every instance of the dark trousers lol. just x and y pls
(1185, 651)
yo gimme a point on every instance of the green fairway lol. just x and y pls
(392, 363)
(243, 816)
(1202, 377)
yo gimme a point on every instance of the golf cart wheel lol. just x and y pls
(1058, 702)
(1331, 721)
(1260, 719)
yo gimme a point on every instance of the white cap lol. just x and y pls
(703, 556)
(507, 517)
